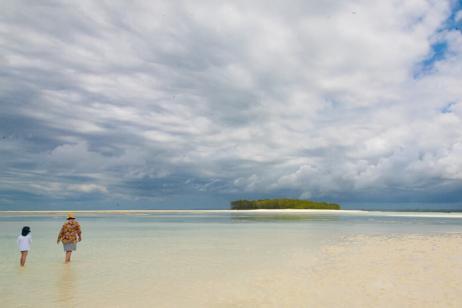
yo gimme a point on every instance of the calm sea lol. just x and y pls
(183, 258)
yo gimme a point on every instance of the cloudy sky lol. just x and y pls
(148, 104)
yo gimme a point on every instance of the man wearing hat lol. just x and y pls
(69, 235)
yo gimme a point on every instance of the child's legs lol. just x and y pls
(23, 257)
(68, 255)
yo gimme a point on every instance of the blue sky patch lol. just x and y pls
(447, 108)
(438, 52)
(439, 49)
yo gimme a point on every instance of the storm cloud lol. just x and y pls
(149, 103)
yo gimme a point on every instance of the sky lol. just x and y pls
(192, 104)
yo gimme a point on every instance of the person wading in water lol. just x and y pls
(69, 235)
(24, 242)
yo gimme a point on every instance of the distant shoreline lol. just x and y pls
(258, 211)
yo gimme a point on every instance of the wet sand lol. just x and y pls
(362, 271)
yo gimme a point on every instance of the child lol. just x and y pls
(24, 241)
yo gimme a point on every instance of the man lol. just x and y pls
(69, 235)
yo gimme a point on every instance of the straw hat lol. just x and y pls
(70, 216)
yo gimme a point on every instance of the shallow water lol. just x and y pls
(172, 259)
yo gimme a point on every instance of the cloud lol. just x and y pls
(117, 101)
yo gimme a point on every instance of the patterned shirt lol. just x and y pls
(70, 232)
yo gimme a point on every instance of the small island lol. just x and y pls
(282, 204)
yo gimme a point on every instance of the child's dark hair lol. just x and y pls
(25, 231)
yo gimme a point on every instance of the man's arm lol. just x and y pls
(60, 235)
(79, 232)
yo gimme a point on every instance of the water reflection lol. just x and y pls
(66, 284)
(281, 217)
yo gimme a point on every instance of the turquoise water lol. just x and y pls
(184, 258)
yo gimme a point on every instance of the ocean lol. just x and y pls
(188, 258)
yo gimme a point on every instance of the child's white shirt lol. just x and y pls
(24, 242)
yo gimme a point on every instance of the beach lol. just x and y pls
(251, 259)
(396, 271)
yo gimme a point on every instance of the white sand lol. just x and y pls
(366, 271)
(399, 271)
